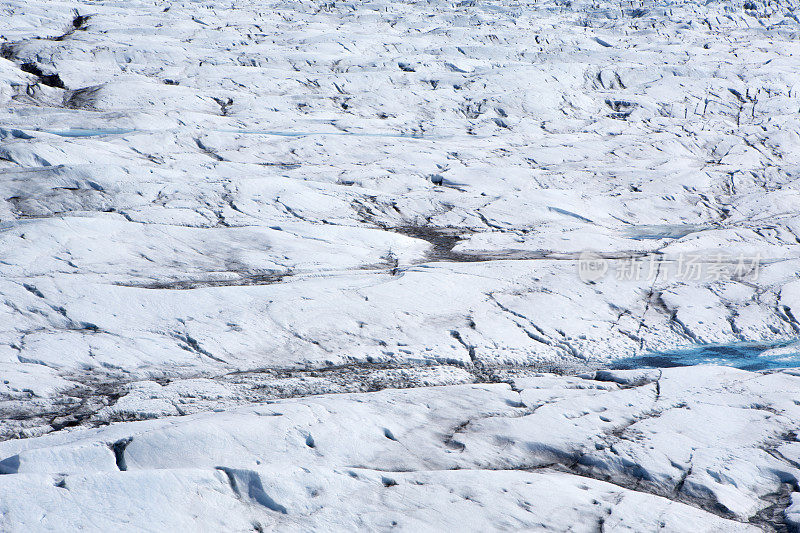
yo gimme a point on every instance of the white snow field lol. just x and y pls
(321, 265)
(689, 449)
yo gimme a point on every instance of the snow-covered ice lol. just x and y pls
(690, 449)
(305, 264)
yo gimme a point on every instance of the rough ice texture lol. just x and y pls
(208, 205)
(693, 449)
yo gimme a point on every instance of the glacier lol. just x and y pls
(336, 265)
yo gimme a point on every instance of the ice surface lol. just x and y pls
(696, 449)
(212, 205)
